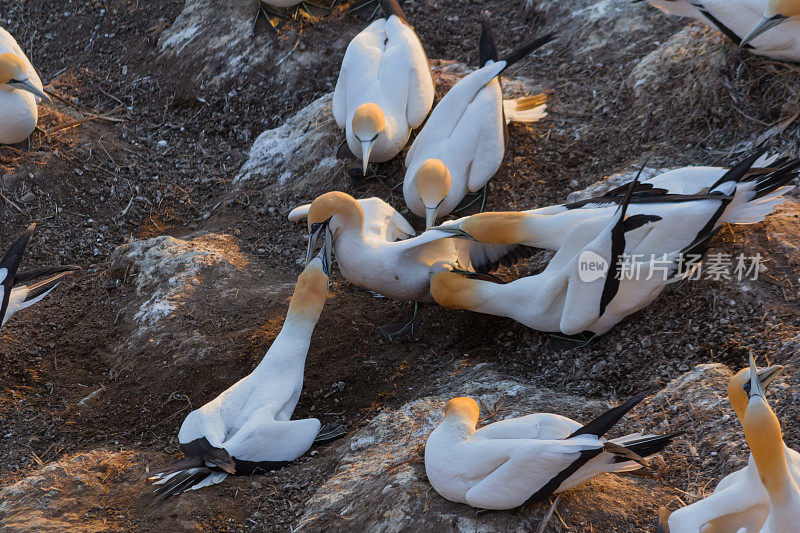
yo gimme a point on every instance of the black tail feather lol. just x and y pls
(392, 7)
(10, 263)
(181, 482)
(739, 171)
(600, 425)
(28, 275)
(526, 48)
(487, 47)
(770, 182)
(647, 446)
(210, 455)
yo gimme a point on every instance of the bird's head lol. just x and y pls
(328, 215)
(311, 289)
(14, 74)
(740, 386)
(775, 12)
(502, 227)
(368, 123)
(454, 291)
(433, 184)
(462, 409)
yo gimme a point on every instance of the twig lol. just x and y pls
(549, 515)
(92, 395)
(3, 196)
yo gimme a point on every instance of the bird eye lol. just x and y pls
(746, 387)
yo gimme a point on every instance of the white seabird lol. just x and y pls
(20, 92)
(692, 199)
(359, 233)
(463, 142)
(584, 287)
(248, 428)
(747, 23)
(508, 463)
(19, 290)
(739, 501)
(385, 87)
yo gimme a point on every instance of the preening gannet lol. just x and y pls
(746, 22)
(20, 92)
(739, 500)
(360, 235)
(765, 439)
(19, 290)
(385, 87)
(248, 428)
(508, 463)
(583, 288)
(693, 199)
(463, 142)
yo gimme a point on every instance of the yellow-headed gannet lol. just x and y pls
(19, 290)
(508, 463)
(20, 92)
(746, 23)
(740, 500)
(765, 439)
(360, 233)
(692, 199)
(248, 428)
(463, 142)
(598, 276)
(384, 89)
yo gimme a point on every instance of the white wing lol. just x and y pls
(535, 426)
(420, 80)
(383, 221)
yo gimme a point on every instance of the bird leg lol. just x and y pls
(396, 331)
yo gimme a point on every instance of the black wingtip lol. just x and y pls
(487, 46)
(738, 172)
(25, 276)
(526, 48)
(392, 7)
(600, 425)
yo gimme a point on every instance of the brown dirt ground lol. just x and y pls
(96, 184)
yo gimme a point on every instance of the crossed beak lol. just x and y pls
(763, 25)
(26, 85)
(325, 252)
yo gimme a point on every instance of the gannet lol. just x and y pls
(463, 142)
(739, 500)
(19, 290)
(508, 463)
(20, 92)
(361, 235)
(765, 439)
(584, 288)
(745, 22)
(692, 198)
(385, 87)
(248, 428)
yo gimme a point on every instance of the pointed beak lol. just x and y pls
(366, 149)
(763, 25)
(767, 375)
(26, 85)
(755, 382)
(430, 216)
(455, 231)
(325, 252)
